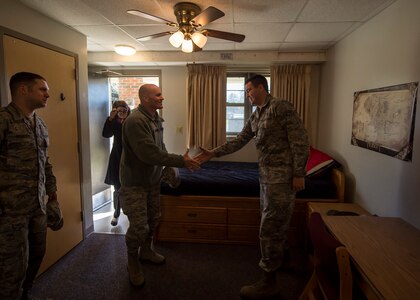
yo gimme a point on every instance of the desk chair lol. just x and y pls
(332, 277)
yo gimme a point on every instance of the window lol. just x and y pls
(238, 108)
(127, 88)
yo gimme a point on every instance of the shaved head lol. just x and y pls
(145, 90)
(151, 97)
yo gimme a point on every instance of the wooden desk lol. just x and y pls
(322, 208)
(386, 252)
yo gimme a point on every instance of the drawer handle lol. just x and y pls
(193, 215)
(192, 231)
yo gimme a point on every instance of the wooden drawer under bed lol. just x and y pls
(231, 220)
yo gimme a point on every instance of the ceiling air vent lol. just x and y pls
(226, 56)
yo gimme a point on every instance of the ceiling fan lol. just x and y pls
(189, 31)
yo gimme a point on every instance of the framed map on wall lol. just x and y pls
(384, 118)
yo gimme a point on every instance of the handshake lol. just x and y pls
(193, 163)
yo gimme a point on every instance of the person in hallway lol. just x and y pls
(113, 128)
(27, 182)
(283, 149)
(144, 153)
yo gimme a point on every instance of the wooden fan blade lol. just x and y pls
(208, 15)
(138, 13)
(230, 36)
(153, 36)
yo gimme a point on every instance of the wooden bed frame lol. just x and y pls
(231, 220)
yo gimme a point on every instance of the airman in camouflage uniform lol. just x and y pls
(144, 153)
(282, 146)
(26, 177)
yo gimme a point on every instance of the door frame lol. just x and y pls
(5, 100)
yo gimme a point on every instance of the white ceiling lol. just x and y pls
(269, 25)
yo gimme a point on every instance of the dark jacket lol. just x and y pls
(144, 151)
(113, 129)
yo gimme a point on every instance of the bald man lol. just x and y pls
(143, 156)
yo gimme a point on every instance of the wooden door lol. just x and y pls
(61, 118)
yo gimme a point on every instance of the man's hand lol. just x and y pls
(190, 163)
(204, 156)
(298, 183)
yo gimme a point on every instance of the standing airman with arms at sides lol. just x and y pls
(27, 182)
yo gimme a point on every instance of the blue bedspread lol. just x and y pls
(220, 178)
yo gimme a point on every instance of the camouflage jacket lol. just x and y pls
(25, 172)
(144, 152)
(280, 138)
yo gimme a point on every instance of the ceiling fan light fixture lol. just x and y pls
(199, 39)
(176, 39)
(187, 46)
(125, 50)
(190, 21)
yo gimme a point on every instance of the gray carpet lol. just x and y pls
(96, 269)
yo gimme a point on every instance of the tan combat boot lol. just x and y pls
(135, 272)
(266, 287)
(147, 254)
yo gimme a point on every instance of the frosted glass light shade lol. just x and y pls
(176, 39)
(199, 39)
(124, 50)
(187, 46)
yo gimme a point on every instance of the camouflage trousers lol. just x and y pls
(22, 248)
(142, 207)
(276, 204)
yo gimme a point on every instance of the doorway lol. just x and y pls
(109, 89)
(61, 118)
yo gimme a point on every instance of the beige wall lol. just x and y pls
(19, 18)
(383, 52)
(174, 82)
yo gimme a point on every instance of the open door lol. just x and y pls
(60, 115)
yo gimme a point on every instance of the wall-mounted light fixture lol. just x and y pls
(125, 50)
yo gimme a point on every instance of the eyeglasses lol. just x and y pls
(122, 111)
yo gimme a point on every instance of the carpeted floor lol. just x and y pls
(96, 269)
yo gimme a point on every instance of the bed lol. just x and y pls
(239, 179)
(220, 203)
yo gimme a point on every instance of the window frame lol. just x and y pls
(248, 108)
